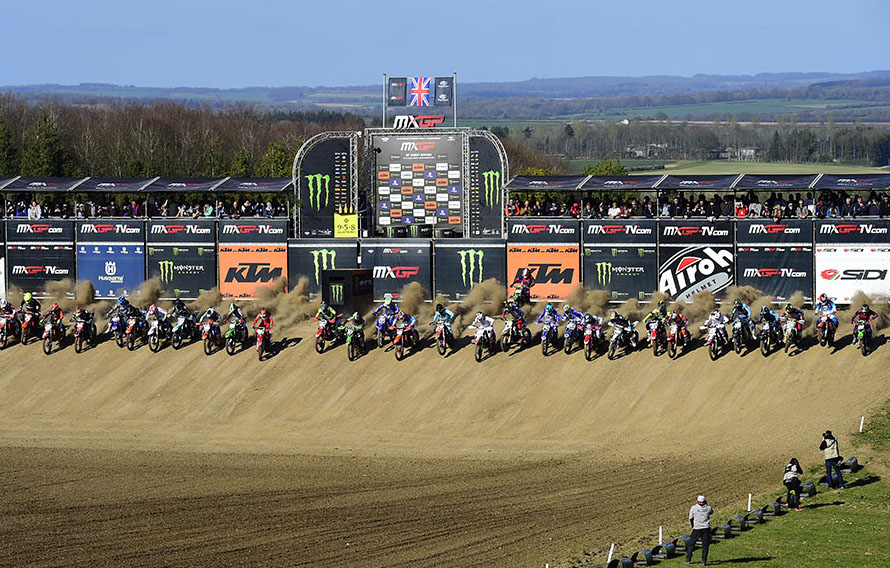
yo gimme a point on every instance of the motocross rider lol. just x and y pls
(56, 316)
(389, 308)
(676, 317)
(408, 321)
(212, 315)
(446, 316)
(264, 320)
(740, 310)
(716, 320)
(618, 320)
(30, 305)
(85, 316)
(180, 309)
(549, 316)
(327, 313)
(235, 311)
(484, 325)
(825, 307)
(772, 318)
(10, 313)
(514, 312)
(863, 315)
(161, 315)
(795, 314)
(525, 281)
(660, 313)
(357, 320)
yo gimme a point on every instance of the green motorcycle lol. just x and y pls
(355, 341)
(236, 335)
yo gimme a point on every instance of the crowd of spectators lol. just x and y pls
(826, 205)
(25, 206)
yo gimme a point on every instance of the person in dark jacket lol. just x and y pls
(791, 479)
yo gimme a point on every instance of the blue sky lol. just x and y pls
(350, 42)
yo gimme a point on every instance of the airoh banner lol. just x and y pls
(690, 232)
(244, 269)
(858, 231)
(624, 271)
(544, 231)
(556, 268)
(310, 258)
(253, 230)
(396, 263)
(620, 231)
(684, 272)
(461, 264)
(774, 232)
(31, 267)
(843, 271)
(111, 231)
(777, 271)
(114, 269)
(184, 270)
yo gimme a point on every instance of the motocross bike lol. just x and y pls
(484, 339)
(158, 331)
(211, 336)
(29, 322)
(593, 336)
(826, 328)
(442, 337)
(52, 331)
(236, 335)
(791, 334)
(8, 328)
(384, 328)
(117, 329)
(511, 334)
(741, 334)
(524, 296)
(548, 333)
(862, 337)
(405, 337)
(657, 336)
(326, 332)
(574, 335)
(626, 337)
(355, 341)
(677, 340)
(84, 331)
(768, 337)
(263, 341)
(183, 329)
(135, 329)
(717, 341)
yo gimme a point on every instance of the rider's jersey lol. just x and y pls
(160, 313)
(743, 313)
(679, 319)
(211, 315)
(33, 306)
(864, 316)
(826, 308)
(513, 313)
(236, 312)
(527, 281)
(328, 314)
(715, 320)
(389, 310)
(408, 319)
(445, 316)
(551, 317)
(573, 315)
(180, 309)
(483, 322)
(57, 315)
(657, 314)
(8, 312)
(591, 319)
(85, 316)
(769, 316)
(620, 321)
(793, 313)
(265, 322)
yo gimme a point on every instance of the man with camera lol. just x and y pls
(833, 459)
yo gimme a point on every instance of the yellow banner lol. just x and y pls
(345, 226)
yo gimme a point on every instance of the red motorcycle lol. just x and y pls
(405, 338)
(443, 338)
(677, 339)
(9, 328)
(593, 337)
(29, 323)
(263, 339)
(52, 331)
(326, 332)
(657, 335)
(84, 331)
(825, 328)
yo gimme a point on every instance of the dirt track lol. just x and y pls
(175, 458)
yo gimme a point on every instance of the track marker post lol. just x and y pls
(749, 502)
(660, 534)
(611, 550)
(861, 424)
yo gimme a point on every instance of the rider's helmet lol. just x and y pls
(566, 308)
(479, 315)
(152, 309)
(823, 298)
(323, 306)
(715, 314)
(673, 313)
(122, 300)
(737, 304)
(264, 313)
(548, 307)
(440, 308)
(54, 307)
(77, 311)
(864, 307)
(27, 297)
(232, 307)
(662, 306)
(4, 304)
(177, 302)
(517, 295)
(387, 299)
(355, 316)
(613, 314)
(788, 307)
(764, 310)
(403, 316)
(526, 272)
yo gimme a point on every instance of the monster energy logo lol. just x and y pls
(604, 273)
(321, 258)
(470, 264)
(492, 181)
(336, 293)
(166, 267)
(315, 181)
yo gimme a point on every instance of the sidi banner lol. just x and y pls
(556, 269)
(31, 267)
(777, 271)
(184, 270)
(310, 258)
(244, 269)
(396, 263)
(843, 271)
(114, 269)
(684, 272)
(624, 271)
(461, 264)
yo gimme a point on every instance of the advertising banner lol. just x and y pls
(843, 271)
(464, 263)
(42, 231)
(486, 184)
(625, 271)
(775, 182)
(619, 231)
(111, 231)
(31, 266)
(777, 271)
(444, 91)
(396, 90)
(766, 231)
(182, 231)
(544, 231)
(310, 258)
(689, 232)
(686, 271)
(621, 182)
(244, 269)
(853, 232)
(185, 270)
(854, 181)
(324, 187)
(114, 269)
(556, 268)
(397, 262)
(252, 230)
(698, 183)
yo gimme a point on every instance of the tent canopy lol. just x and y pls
(43, 184)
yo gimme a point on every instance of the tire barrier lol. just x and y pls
(724, 531)
(623, 562)
(774, 509)
(755, 517)
(681, 544)
(850, 465)
(738, 523)
(642, 557)
(664, 551)
(808, 489)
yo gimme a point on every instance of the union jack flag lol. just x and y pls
(420, 91)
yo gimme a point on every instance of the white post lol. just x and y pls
(385, 99)
(749, 502)
(611, 550)
(660, 534)
(861, 424)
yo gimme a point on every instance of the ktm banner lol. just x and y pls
(556, 269)
(461, 264)
(843, 271)
(252, 230)
(625, 271)
(686, 271)
(396, 263)
(777, 271)
(244, 269)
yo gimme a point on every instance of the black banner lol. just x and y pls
(117, 185)
(685, 271)
(778, 271)
(766, 231)
(324, 186)
(42, 231)
(182, 231)
(252, 230)
(620, 182)
(698, 183)
(444, 91)
(486, 188)
(563, 231)
(857, 231)
(776, 182)
(687, 232)
(311, 258)
(176, 185)
(464, 263)
(396, 89)
(185, 271)
(31, 266)
(397, 262)
(625, 271)
(545, 183)
(623, 231)
(111, 231)
(853, 181)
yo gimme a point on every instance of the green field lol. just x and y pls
(735, 167)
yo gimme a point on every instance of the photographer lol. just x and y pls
(833, 459)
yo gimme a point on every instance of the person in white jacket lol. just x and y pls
(700, 521)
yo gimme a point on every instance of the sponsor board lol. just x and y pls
(464, 263)
(486, 185)
(114, 269)
(624, 271)
(615, 231)
(31, 267)
(309, 259)
(875, 231)
(563, 231)
(842, 271)
(181, 231)
(777, 271)
(185, 271)
(44, 230)
(395, 263)
(252, 230)
(556, 268)
(324, 186)
(690, 232)
(774, 232)
(687, 271)
(111, 231)
(244, 269)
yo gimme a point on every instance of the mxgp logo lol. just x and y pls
(552, 229)
(102, 229)
(32, 270)
(179, 229)
(854, 274)
(671, 231)
(423, 146)
(248, 229)
(770, 272)
(616, 229)
(863, 229)
(397, 272)
(760, 229)
(549, 273)
(253, 272)
(405, 121)
(323, 259)
(38, 229)
(471, 266)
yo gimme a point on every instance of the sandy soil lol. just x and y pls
(113, 458)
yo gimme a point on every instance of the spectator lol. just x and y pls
(700, 521)
(35, 211)
(833, 212)
(833, 459)
(208, 210)
(755, 209)
(802, 211)
(847, 208)
(649, 209)
(884, 207)
(741, 210)
(791, 479)
(678, 209)
(614, 211)
(575, 211)
(860, 208)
